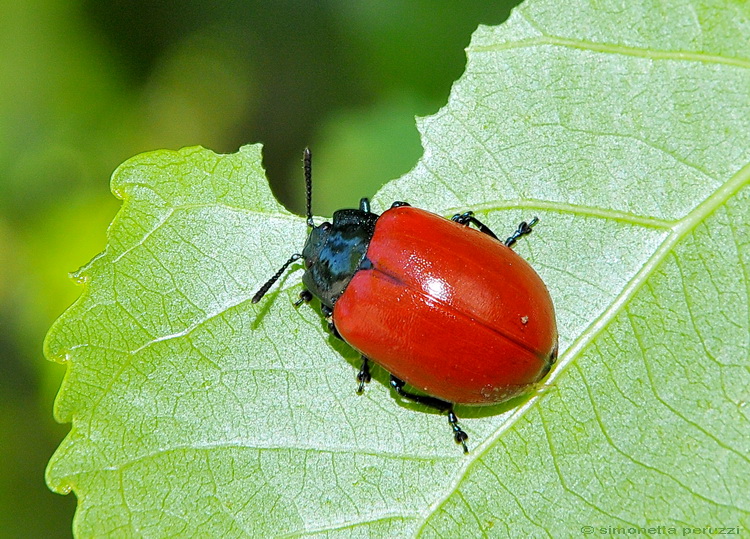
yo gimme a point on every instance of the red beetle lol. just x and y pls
(445, 308)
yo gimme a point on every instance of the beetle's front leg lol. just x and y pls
(304, 297)
(328, 314)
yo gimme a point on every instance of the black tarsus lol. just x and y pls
(307, 159)
(364, 204)
(523, 229)
(269, 283)
(442, 406)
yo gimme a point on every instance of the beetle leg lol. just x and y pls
(468, 218)
(363, 376)
(364, 204)
(443, 406)
(328, 315)
(399, 204)
(523, 229)
(334, 331)
(458, 434)
(332, 328)
(304, 297)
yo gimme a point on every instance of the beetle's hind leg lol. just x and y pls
(458, 434)
(443, 406)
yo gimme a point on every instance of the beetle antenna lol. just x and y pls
(307, 159)
(269, 283)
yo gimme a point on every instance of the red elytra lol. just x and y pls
(449, 310)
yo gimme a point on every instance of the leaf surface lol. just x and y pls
(624, 127)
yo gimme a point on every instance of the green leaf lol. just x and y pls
(624, 127)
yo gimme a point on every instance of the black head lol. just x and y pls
(333, 252)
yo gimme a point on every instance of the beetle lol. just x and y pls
(446, 308)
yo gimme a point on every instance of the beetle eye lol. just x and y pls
(325, 226)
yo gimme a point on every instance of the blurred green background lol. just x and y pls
(85, 84)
